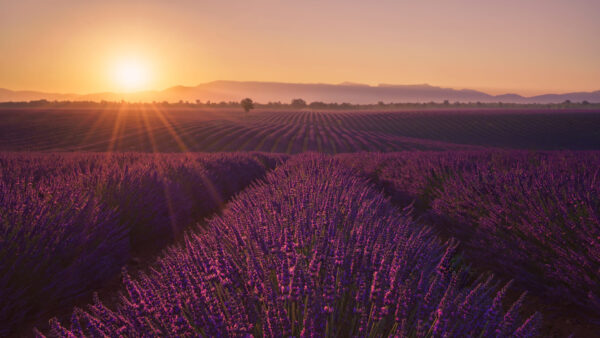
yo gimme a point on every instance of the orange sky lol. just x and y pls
(524, 46)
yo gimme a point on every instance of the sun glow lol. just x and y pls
(131, 75)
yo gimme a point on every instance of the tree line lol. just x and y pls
(248, 104)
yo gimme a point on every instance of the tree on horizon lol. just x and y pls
(247, 104)
(298, 103)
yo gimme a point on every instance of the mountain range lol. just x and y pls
(264, 92)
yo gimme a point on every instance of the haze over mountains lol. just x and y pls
(264, 92)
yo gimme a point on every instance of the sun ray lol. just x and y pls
(96, 125)
(210, 187)
(149, 131)
(182, 146)
(117, 128)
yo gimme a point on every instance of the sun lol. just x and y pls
(131, 75)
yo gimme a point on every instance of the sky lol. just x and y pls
(519, 46)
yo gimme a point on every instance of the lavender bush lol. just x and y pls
(536, 218)
(68, 223)
(313, 251)
(532, 216)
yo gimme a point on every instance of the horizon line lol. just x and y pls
(343, 83)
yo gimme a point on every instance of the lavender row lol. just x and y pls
(537, 219)
(534, 216)
(69, 222)
(313, 251)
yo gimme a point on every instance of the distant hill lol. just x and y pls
(26, 95)
(276, 91)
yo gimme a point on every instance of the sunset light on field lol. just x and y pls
(314, 168)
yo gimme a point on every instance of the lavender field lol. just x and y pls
(151, 128)
(337, 224)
